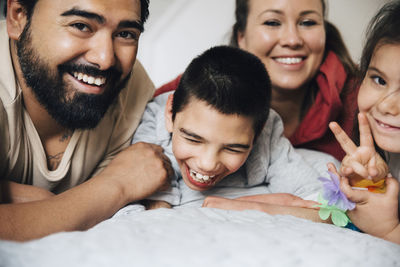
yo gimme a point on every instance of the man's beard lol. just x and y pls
(68, 107)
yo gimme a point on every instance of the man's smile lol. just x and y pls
(91, 80)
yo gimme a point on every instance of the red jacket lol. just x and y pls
(313, 132)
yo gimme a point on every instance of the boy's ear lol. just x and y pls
(240, 40)
(168, 113)
(16, 19)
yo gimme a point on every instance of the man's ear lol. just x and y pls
(169, 124)
(16, 19)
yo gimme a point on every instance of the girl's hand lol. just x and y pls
(375, 214)
(361, 162)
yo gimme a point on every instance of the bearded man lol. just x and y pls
(71, 97)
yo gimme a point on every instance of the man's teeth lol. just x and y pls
(200, 177)
(289, 60)
(90, 79)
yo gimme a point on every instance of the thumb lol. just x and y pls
(356, 196)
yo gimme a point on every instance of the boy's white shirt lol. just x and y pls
(273, 165)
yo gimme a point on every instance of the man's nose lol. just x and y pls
(101, 51)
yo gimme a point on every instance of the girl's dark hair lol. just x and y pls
(230, 80)
(384, 28)
(29, 6)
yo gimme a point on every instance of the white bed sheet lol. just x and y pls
(203, 237)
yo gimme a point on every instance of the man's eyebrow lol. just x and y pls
(100, 19)
(131, 24)
(82, 13)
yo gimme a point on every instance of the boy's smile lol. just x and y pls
(207, 144)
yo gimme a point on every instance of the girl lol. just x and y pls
(379, 121)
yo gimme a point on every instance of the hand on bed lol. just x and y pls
(140, 170)
(259, 202)
(361, 162)
(375, 214)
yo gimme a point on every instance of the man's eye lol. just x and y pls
(378, 80)
(81, 26)
(272, 23)
(128, 35)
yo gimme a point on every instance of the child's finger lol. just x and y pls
(365, 131)
(345, 142)
(332, 168)
(392, 186)
(354, 167)
(356, 196)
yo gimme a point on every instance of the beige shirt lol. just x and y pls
(22, 156)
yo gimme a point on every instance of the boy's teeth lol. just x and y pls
(289, 60)
(200, 177)
(90, 79)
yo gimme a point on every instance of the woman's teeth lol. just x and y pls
(198, 177)
(99, 81)
(289, 60)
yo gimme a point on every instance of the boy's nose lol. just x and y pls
(208, 161)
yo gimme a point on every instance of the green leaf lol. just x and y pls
(339, 218)
(324, 213)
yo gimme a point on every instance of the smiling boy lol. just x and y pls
(222, 138)
(71, 96)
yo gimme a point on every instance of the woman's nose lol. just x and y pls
(291, 37)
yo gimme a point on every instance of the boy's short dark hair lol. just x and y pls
(230, 80)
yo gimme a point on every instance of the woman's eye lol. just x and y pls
(272, 23)
(81, 26)
(378, 80)
(308, 23)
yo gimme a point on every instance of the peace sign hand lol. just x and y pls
(361, 162)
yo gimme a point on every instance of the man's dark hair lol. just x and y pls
(230, 80)
(29, 6)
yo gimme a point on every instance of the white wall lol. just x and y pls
(178, 30)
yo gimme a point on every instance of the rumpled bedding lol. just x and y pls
(203, 237)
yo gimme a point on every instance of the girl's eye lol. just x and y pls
(378, 80)
(272, 23)
(81, 27)
(308, 23)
